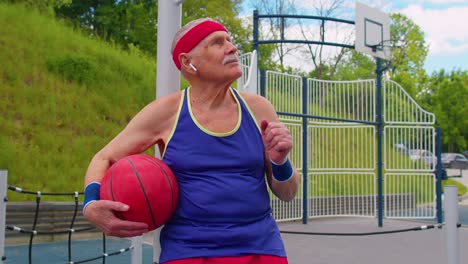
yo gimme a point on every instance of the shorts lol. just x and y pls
(249, 259)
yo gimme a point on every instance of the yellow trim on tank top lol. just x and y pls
(175, 123)
(239, 119)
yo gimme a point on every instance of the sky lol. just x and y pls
(443, 22)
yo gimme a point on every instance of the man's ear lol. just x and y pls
(185, 63)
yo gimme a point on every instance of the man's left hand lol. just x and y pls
(277, 141)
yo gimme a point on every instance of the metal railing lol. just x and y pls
(340, 146)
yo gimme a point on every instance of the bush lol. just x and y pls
(74, 68)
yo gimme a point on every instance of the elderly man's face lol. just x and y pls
(217, 55)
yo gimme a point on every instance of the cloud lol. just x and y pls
(440, 2)
(445, 29)
(299, 56)
(442, 21)
(346, 7)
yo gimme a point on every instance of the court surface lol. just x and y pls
(427, 246)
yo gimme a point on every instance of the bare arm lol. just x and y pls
(278, 145)
(150, 126)
(140, 134)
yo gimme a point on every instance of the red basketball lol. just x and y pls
(144, 183)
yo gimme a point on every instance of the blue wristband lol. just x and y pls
(282, 172)
(91, 194)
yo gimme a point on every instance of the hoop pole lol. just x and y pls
(3, 201)
(379, 120)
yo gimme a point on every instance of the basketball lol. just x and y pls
(146, 184)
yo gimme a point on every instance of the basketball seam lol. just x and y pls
(110, 183)
(168, 180)
(144, 192)
(111, 177)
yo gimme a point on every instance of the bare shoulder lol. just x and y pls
(166, 105)
(260, 106)
(148, 127)
(159, 115)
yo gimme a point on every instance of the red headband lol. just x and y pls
(188, 41)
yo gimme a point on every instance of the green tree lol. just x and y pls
(134, 22)
(446, 96)
(228, 17)
(409, 51)
(355, 66)
(125, 22)
(45, 6)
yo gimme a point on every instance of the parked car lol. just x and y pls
(423, 155)
(465, 153)
(401, 148)
(454, 161)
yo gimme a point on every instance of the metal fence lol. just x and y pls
(341, 148)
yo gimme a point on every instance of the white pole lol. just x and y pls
(3, 196)
(167, 75)
(452, 242)
(137, 251)
(169, 21)
(156, 245)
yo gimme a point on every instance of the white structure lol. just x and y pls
(372, 32)
(248, 82)
(167, 75)
(452, 239)
(169, 21)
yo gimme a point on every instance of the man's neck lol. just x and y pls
(210, 96)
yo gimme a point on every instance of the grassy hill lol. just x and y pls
(63, 96)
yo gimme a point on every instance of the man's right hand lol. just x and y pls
(101, 214)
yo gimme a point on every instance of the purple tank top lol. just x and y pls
(224, 207)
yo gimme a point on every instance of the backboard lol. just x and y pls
(372, 32)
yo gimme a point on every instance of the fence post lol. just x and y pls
(263, 83)
(255, 74)
(255, 30)
(305, 195)
(452, 243)
(439, 174)
(3, 201)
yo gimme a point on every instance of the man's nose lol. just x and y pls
(231, 48)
